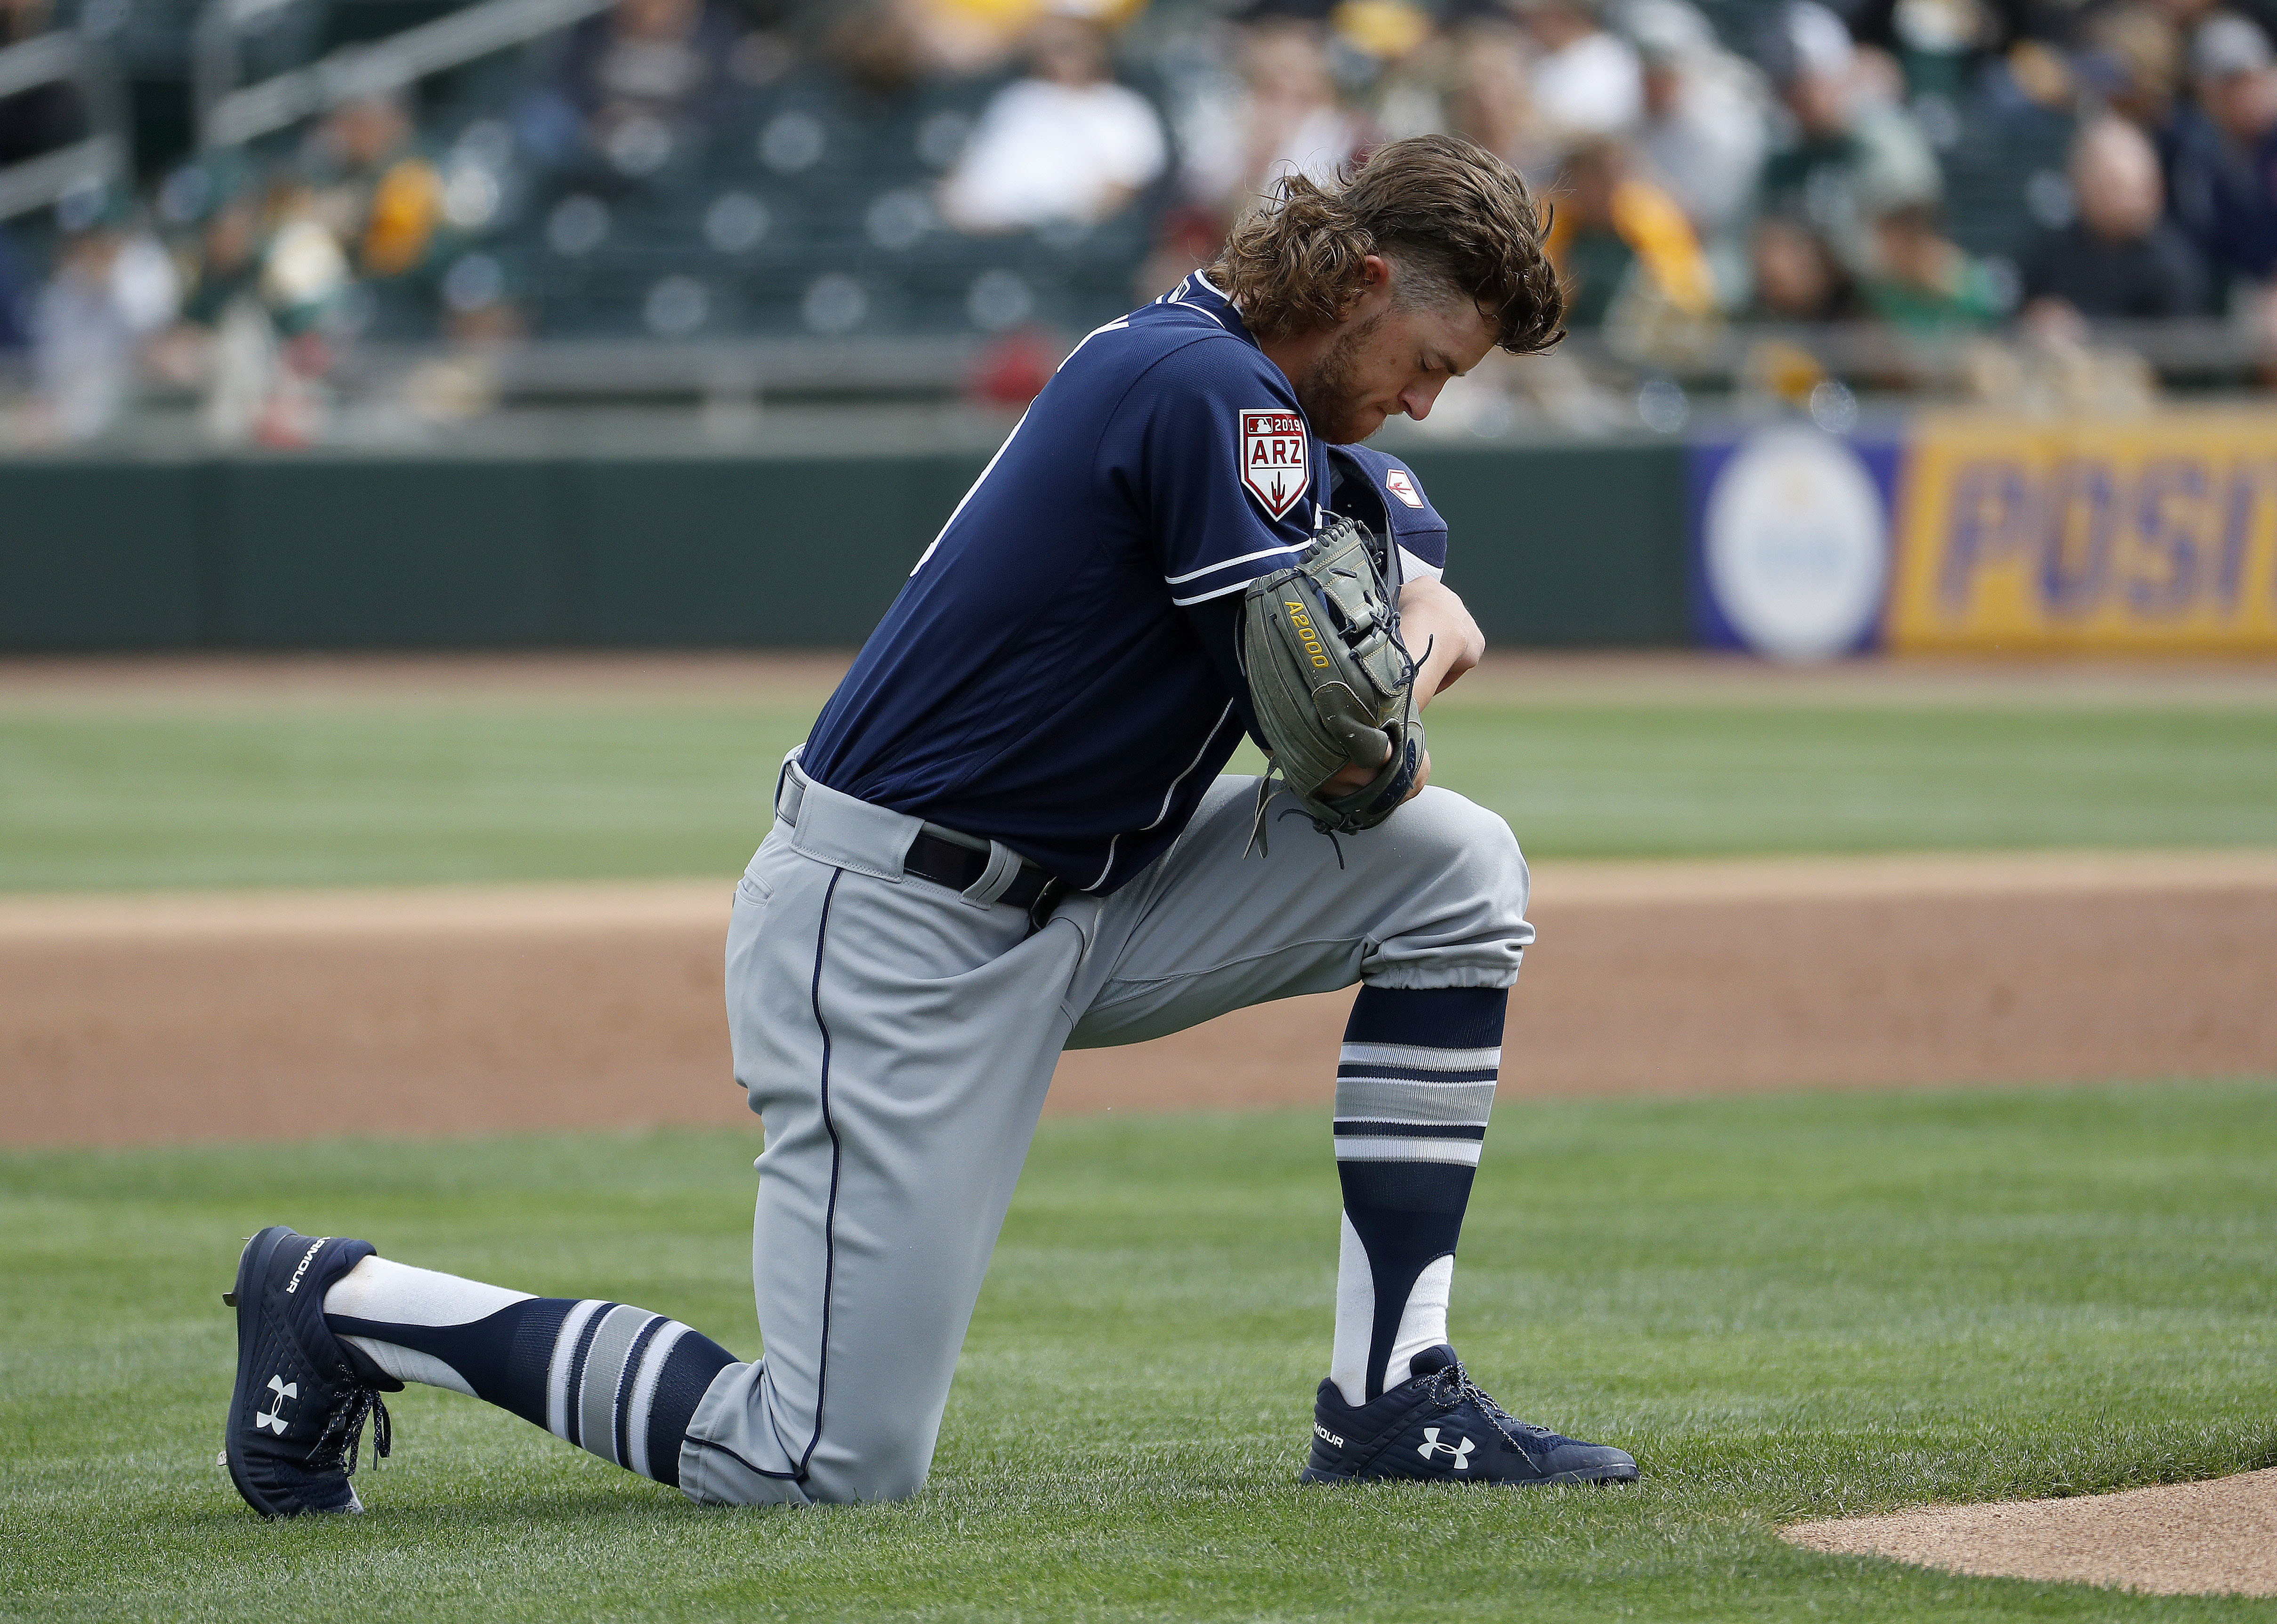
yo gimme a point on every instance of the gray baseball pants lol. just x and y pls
(897, 1038)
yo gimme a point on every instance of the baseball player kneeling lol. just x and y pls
(1007, 836)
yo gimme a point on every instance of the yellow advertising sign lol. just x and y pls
(2155, 533)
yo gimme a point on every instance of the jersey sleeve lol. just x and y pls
(1416, 530)
(1224, 467)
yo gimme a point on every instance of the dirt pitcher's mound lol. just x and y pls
(2216, 1538)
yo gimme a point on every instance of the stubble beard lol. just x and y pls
(1329, 388)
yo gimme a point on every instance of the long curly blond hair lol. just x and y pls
(1457, 219)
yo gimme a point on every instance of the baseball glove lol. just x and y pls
(1332, 684)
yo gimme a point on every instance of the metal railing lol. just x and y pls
(570, 371)
(229, 116)
(1872, 354)
(98, 158)
(587, 371)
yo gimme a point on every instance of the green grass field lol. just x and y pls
(1786, 1306)
(368, 791)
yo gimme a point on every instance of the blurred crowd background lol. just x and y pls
(289, 221)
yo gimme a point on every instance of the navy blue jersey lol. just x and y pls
(1040, 680)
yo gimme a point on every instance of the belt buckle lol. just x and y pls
(1048, 897)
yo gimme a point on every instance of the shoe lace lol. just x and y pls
(340, 1444)
(1454, 1385)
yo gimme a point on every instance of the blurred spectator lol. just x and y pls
(965, 38)
(2225, 169)
(1854, 153)
(1624, 249)
(1934, 40)
(376, 192)
(303, 269)
(1064, 143)
(1285, 117)
(384, 202)
(1397, 47)
(1586, 82)
(2134, 57)
(268, 357)
(1796, 277)
(1703, 134)
(113, 290)
(223, 262)
(1922, 282)
(638, 86)
(1491, 97)
(2118, 258)
(881, 47)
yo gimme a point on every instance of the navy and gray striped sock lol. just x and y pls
(620, 1381)
(1414, 1085)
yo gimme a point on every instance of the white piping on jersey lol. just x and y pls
(971, 493)
(1212, 569)
(1107, 327)
(1204, 597)
(1214, 317)
(1412, 569)
(1115, 326)
(1167, 795)
(1177, 296)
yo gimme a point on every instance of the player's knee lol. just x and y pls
(835, 1476)
(873, 1469)
(1461, 919)
(1472, 850)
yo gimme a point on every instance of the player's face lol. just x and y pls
(1385, 361)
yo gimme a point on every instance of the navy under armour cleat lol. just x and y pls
(297, 1414)
(1438, 1427)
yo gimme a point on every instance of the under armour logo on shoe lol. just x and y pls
(274, 1416)
(1460, 1448)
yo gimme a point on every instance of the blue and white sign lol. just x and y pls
(1793, 531)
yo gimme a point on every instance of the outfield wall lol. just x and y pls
(1941, 531)
(1562, 544)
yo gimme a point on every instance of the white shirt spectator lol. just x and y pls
(1046, 151)
(1281, 116)
(1317, 147)
(1590, 87)
(1707, 145)
(110, 293)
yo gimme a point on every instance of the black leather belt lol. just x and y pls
(945, 863)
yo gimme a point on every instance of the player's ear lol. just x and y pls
(1374, 273)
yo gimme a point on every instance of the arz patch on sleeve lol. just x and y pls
(1276, 463)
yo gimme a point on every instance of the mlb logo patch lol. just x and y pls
(1276, 463)
(1401, 483)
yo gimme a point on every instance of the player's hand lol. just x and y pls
(1357, 777)
(1432, 617)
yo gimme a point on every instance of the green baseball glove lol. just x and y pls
(1332, 684)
